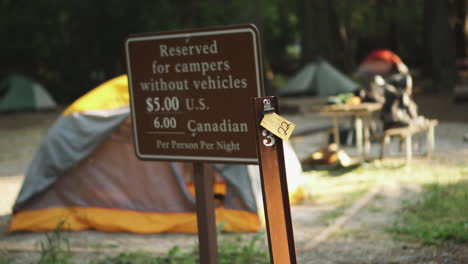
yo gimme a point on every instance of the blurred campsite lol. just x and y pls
(72, 46)
(381, 69)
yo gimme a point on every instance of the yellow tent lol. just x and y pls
(86, 174)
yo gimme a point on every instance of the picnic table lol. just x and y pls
(362, 116)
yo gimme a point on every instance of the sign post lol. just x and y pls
(274, 185)
(190, 94)
(205, 215)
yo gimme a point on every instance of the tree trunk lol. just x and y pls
(319, 31)
(305, 11)
(459, 28)
(440, 47)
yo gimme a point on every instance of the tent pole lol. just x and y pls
(206, 221)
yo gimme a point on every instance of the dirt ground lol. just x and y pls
(361, 240)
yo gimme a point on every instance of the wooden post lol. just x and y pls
(336, 131)
(385, 146)
(206, 220)
(366, 127)
(409, 148)
(274, 189)
(358, 129)
(430, 141)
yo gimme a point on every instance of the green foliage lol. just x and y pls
(174, 256)
(439, 216)
(232, 249)
(236, 250)
(56, 248)
(279, 80)
(5, 258)
(136, 258)
(72, 46)
(395, 25)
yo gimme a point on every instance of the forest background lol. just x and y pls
(72, 46)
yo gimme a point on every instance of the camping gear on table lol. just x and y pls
(86, 174)
(344, 98)
(18, 93)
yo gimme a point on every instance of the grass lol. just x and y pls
(359, 233)
(331, 187)
(237, 250)
(341, 205)
(232, 249)
(339, 187)
(5, 258)
(56, 248)
(441, 215)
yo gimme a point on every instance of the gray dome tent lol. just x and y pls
(19, 93)
(318, 78)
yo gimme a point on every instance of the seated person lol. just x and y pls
(386, 80)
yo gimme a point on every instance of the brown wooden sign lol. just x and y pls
(190, 94)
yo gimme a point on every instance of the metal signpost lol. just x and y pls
(190, 95)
